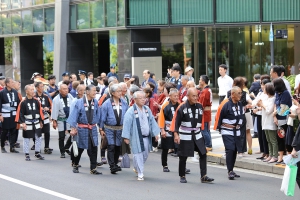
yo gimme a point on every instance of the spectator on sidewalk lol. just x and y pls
(176, 76)
(257, 110)
(283, 102)
(267, 105)
(255, 86)
(224, 82)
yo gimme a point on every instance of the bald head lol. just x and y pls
(192, 95)
(236, 93)
(190, 84)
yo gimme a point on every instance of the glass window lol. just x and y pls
(72, 17)
(38, 2)
(49, 1)
(111, 9)
(15, 4)
(49, 19)
(97, 14)
(83, 21)
(6, 23)
(26, 3)
(16, 23)
(38, 20)
(27, 21)
(121, 13)
(5, 4)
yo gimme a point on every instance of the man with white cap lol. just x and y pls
(189, 72)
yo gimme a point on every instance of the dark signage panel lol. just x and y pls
(146, 49)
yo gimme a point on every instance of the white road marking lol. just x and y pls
(37, 188)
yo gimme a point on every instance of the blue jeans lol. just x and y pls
(206, 134)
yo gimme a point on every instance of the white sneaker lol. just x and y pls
(140, 178)
(155, 149)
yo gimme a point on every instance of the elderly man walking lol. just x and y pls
(186, 125)
(139, 130)
(232, 117)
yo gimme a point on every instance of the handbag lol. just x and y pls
(125, 163)
(289, 180)
(75, 147)
(280, 132)
(104, 143)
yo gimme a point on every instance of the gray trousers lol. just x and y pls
(38, 142)
(139, 159)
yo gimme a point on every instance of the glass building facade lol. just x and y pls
(93, 35)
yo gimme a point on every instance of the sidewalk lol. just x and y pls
(247, 162)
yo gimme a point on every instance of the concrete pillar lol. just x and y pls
(60, 37)
(297, 47)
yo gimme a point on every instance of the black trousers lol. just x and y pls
(61, 142)
(164, 157)
(221, 98)
(92, 153)
(47, 139)
(230, 158)
(102, 153)
(263, 143)
(243, 138)
(154, 143)
(12, 134)
(113, 153)
(202, 163)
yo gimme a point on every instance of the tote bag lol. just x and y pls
(289, 180)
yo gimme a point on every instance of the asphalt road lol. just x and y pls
(55, 178)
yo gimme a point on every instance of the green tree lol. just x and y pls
(48, 62)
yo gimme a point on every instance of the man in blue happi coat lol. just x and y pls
(83, 120)
(139, 130)
(111, 125)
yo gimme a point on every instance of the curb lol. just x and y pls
(245, 164)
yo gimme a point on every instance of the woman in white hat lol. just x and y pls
(189, 71)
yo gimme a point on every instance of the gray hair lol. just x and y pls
(114, 88)
(185, 77)
(173, 90)
(27, 87)
(89, 87)
(112, 79)
(134, 88)
(135, 95)
(122, 84)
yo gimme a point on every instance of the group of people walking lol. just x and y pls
(274, 112)
(131, 117)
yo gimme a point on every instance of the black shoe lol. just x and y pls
(3, 150)
(114, 169)
(99, 164)
(47, 151)
(255, 136)
(33, 147)
(236, 175)
(27, 157)
(73, 165)
(39, 156)
(17, 145)
(183, 180)
(68, 152)
(206, 179)
(231, 175)
(13, 150)
(95, 172)
(119, 168)
(187, 171)
(166, 169)
(75, 169)
(62, 155)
